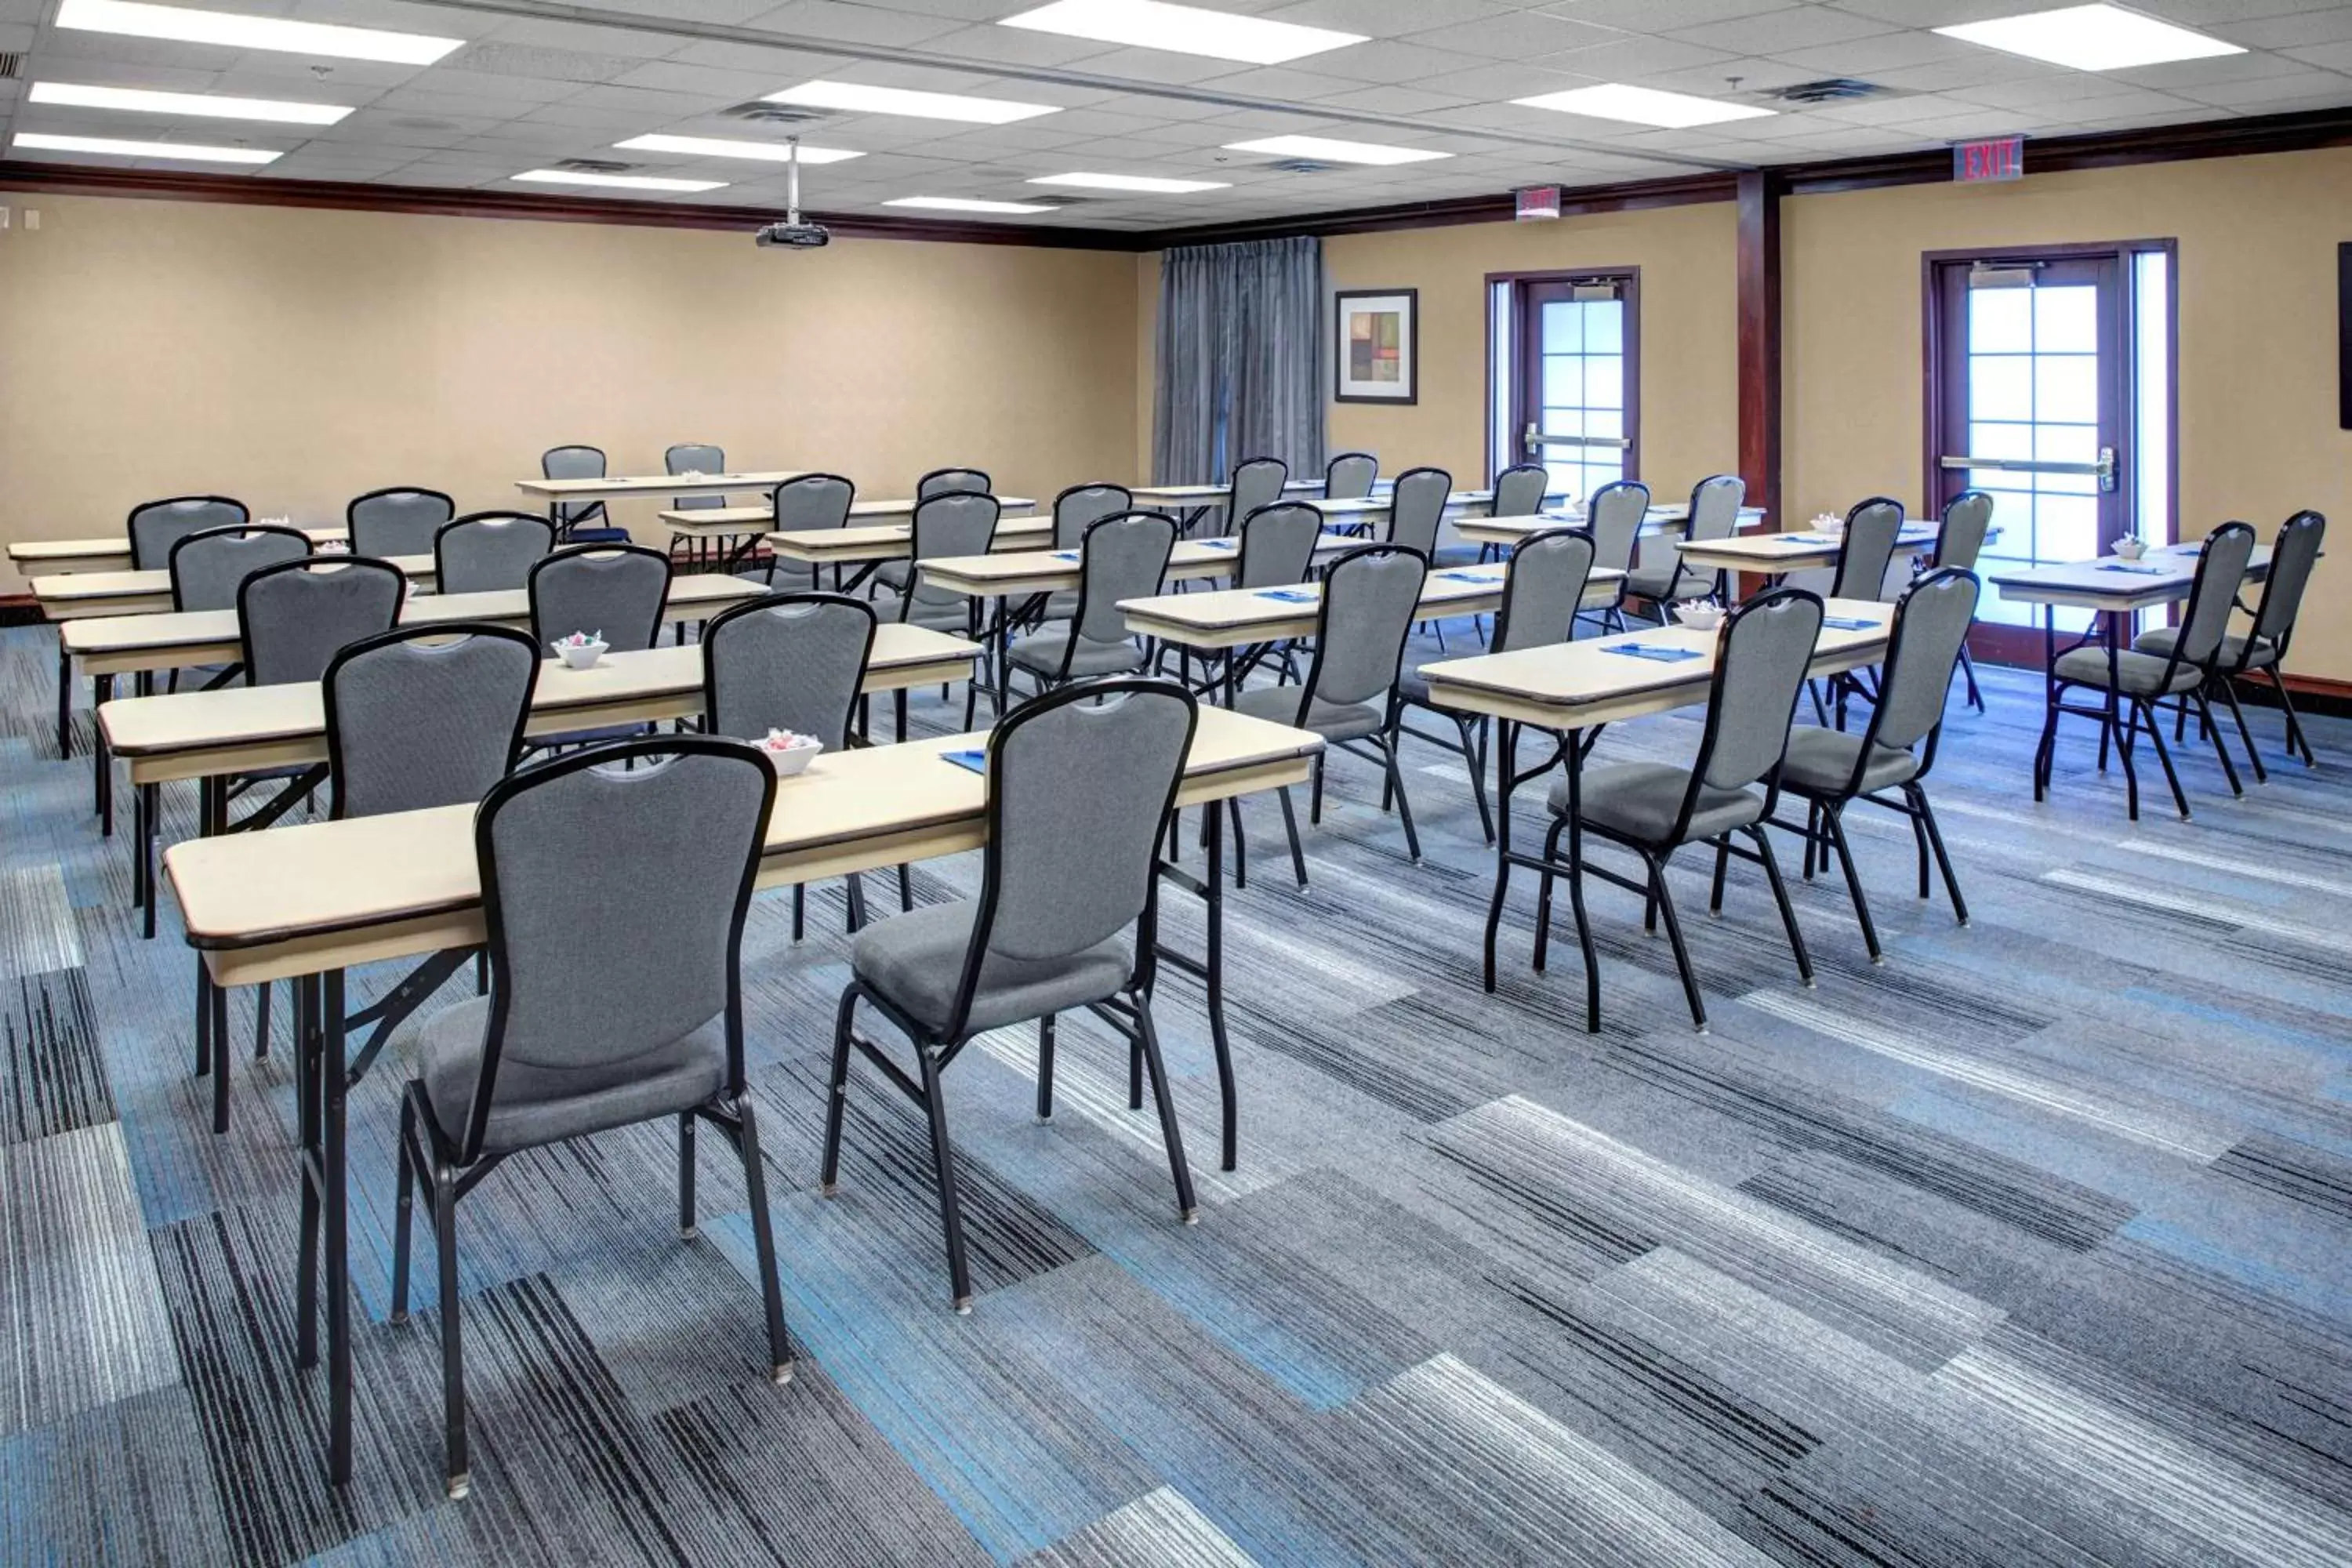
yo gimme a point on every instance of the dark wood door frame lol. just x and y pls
(1630, 278)
(1759, 340)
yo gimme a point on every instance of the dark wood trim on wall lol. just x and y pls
(1632, 196)
(87, 180)
(1758, 312)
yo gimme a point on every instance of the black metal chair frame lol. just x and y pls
(701, 551)
(1663, 608)
(1062, 676)
(2226, 676)
(560, 514)
(351, 507)
(1944, 521)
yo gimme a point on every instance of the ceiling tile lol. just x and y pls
(831, 19)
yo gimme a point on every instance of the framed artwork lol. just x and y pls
(1379, 339)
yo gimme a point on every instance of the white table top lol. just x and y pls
(1050, 571)
(1235, 618)
(754, 519)
(95, 593)
(1670, 517)
(1777, 552)
(2106, 583)
(891, 541)
(107, 553)
(622, 486)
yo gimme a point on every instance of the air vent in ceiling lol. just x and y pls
(11, 66)
(1829, 89)
(1300, 166)
(762, 112)
(592, 166)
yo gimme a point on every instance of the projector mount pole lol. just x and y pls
(792, 190)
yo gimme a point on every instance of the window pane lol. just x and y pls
(1563, 330)
(1563, 377)
(1604, 381)
(2067, 528)
(1604, 422)
(2066, 386)
(2066, 320)
(1604, 327)
(1563, 422)
(2001, 321)
(1991, 440)
(2001, 386)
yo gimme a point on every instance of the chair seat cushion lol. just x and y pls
(1042, 651)
(1332, 720)
(1413, 688)
(916, 961)
(894, 575)
(535, 1105)
(1062, 607)
(787, 577)
(951, 614)
(1820, 762)
(2158, 640)
(1651, 582)
(1640, 801)
(2135, 673)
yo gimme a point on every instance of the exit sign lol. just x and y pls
(1537, 202)
(2002, 158)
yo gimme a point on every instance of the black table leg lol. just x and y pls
(333, 1157)
(1506, 781)
(65, 697)
(102, 762)
(1210, 969)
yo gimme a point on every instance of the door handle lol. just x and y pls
(2103, 468)
(1536, 440)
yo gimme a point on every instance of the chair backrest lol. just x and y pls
(1931, 625)
(400, 520)
(695, 458)
(813, 501)
(157, 525)
(2292, 556)
(1549, 572)
(1961, 535)
(615, 899)
(1416, 506)
(786, 661)
(1615, 513)
(1080, 781)
(426, 715)
(1350, 476)
(1519, 490)
(1762, 655)
(1867, 547)
(1714, 506)
(1369, 597)
(206, 568)
(614, 590)
(294, 617)
(1278, 545)
(1257, 482)
(953, 522)
(573, 463)
(2213, 593)
(1125, 557)
(486, 552)
(1080, 507)
(953, 482)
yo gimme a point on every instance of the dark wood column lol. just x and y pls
(1759, 340)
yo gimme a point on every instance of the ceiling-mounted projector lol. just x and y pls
(792, 234)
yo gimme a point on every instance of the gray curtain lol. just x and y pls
(1240, 359)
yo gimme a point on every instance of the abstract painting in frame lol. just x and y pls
(1379, 339)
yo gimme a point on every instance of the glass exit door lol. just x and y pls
(1577, 367)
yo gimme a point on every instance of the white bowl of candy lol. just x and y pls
(789, 752)
(580, 650)
(1828, 523)
(1699, 616)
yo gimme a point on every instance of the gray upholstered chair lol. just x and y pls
(2132, 682)
(426, 715)
(1278, 545)
(292, 618)
(400, 520)
(1257, 482)
(207, 568)
(1829, 769)
(953, 522)
(614, 902)
(1080, 507)
(489, 551)
(805, 503)
(953, 482)
(1349, 696)
(1080, 782)
(1761, 653)
(157, 525)
(1350, 476)
(1416, 506)
(1548, 574)
(2263, 647)
(571, 518)
(1961, 535)
(1614, 514)
(697, 458)
(616, 590)
(1122, 557)
(1865, 554)
(1714, 514)
(1519, 490)
(797, 662)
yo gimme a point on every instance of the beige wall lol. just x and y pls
(294, 358)
(2259, 434)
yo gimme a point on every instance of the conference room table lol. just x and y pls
(1193, 503)
(1773, 556)
(626, 487)
(1568, 689)
(749, 523)
(309, 902)
(867, 546)
(108, 552)
(1667, 517)
(107, 647)
(76, 595)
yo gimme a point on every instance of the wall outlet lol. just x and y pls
(32, 217)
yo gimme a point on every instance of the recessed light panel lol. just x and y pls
(1181, 30)
(1643, 106)
(720, 147)
(112, 147)
(1132, 183)
(2091, 38)
(237, 31)
(1327, 149)
(202, 105)
(862, 99)
(618, 182)
(970, 205)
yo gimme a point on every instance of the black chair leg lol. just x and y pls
(854, 895)
(2147, 714)
(2045, 753)
(1187, 1203)
(836, 1093)
(2296, 740)
(763, 1239)
(1541, 948)
(943, 1160)
(1388, 745)
(1290, 826)
(1046, 1068)
(687, 1229)
(1927, 821)
(404, 1217)
(1664, 902)
(1781, 897)
(1722, 866)
(800, 909)
(1241, 847)
(1969, 674)
(458, 1476)
(1315, 799)
(1852, 882)
(1474, 758)
(2245, 736)
(2220, 748)
(261, 1023)
(905, 891)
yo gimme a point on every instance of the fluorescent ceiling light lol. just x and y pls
(719, 147)
(968, 205)
(203, 105)
(621, 182)
(1643, 106)
(1132, 183)
(31, 142)
(242, 32)
(2091, 38)
(1181, 30)
(857, 97)
(1330, 150)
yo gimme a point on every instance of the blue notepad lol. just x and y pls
(1652, 651)
(2136, 571)
(1065, 555)
(1471, 576)
(1220, 544)
(975, 760)
(1288, 596)
(1847, 623)
(1808, 539)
